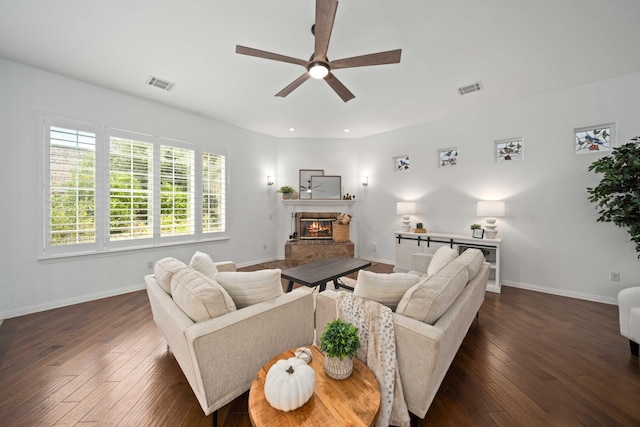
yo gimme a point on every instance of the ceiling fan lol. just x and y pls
(319, 66)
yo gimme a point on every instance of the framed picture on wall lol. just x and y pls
(594, 139)
(510, 149)
(305, 181)
(401, 163)
(448, 157)
(326, 187)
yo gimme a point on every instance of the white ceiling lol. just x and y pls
(517, 48)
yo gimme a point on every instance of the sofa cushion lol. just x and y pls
(428, 300)
(199, 296)
(164, 270)
(472, 259)
(251, 287)
(203, 263)
(387, 289)
(443, 255)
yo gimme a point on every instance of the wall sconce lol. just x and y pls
(269, 180)
(365, 181)
(406, 209)
(490, 210)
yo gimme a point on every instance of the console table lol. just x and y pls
(408, 243)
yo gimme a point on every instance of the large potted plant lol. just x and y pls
(617, 197)
(340, 343)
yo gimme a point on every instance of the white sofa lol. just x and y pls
(629, 311)
(425, 351)
(221, 356)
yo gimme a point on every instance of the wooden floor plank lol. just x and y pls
(529, 359)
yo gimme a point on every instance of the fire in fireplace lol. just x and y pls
(316, 228)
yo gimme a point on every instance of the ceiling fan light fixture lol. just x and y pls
(318, 70)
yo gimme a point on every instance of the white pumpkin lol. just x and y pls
(289, 384)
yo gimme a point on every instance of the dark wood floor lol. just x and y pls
(530, 359)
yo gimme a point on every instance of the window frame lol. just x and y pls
(103, 242)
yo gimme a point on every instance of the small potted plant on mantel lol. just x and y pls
(340, 343)
(286, 191)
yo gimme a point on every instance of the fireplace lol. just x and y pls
(316, 228)
(312, 226)
(313, 239)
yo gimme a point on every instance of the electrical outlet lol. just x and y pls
(264, 246)
(614, 276)
(373, 247)
(149, 265)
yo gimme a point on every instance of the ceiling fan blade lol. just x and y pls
(380, 58)
(339, 88)
(325, 15)
(293, 85)
(243, 50)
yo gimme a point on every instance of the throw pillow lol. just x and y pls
(387, 289)
(198, 296)
(443, 255)
(251, 287)
(431, 298)
(472, 259)
(164, 270)
(203, 263)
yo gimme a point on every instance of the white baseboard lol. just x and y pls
(71, 301)
(562, 292)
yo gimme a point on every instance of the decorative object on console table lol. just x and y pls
(406, 209)
(490, 209)
(341, 228)
(419, 228)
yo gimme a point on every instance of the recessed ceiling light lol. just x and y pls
(292, 129)
(347, 130)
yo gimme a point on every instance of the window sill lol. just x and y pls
(123, 251)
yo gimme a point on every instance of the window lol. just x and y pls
(130, 189)
(176, 191)
(213, 193)
(152, 189)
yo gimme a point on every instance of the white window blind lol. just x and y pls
(213, 192)
(130, 189)
(71, 199)
(176, 191)
(107, 189)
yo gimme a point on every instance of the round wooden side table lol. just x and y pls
(354, 401)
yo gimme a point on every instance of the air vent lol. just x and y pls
(470, 88)
(160, 83)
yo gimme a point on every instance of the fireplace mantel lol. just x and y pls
(317, 202)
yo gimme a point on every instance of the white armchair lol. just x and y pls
(629, 308)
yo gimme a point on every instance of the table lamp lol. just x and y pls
(406, 209)
(490, 210)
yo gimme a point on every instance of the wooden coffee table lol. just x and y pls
(351, 402)
(321, 272)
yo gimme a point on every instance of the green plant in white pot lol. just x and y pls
(340, 343)
(286, 191)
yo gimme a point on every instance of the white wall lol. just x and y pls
(28, 284)
(552, 241)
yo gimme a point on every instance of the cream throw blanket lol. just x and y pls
(378, 350)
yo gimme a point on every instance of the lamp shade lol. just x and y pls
(490, 208)
(406, 208)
